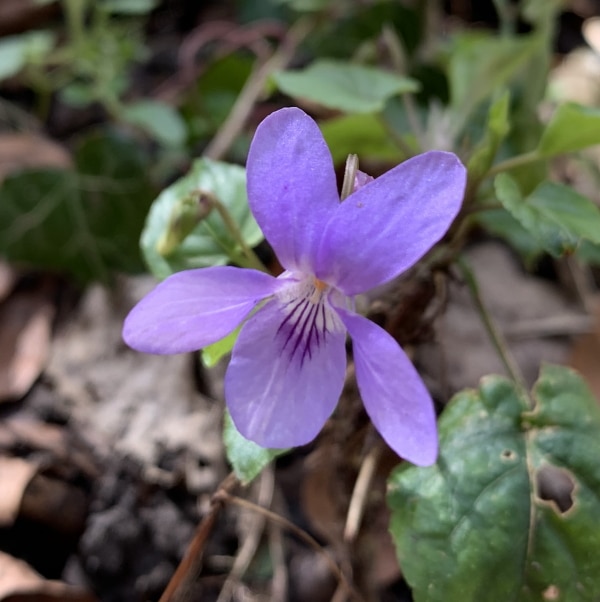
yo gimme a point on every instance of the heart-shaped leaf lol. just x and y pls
(511, 509)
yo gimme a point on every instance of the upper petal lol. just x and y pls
(292, 187)
(195, 308)
(286, 373)
(392, 391)
(388, 224)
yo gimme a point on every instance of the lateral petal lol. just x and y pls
(292, 188)
(195, 308)
(284, 381)
(388, 224)
(392, 391)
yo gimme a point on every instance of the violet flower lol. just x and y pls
(288, 364)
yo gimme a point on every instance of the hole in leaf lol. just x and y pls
(508, 454)
(556, 485)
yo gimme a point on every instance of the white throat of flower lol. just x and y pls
(308, 317)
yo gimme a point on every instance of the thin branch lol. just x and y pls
(179, 588)
(495, 335)
(252, 89)
(248, 548)
(358, 501)
(301, 534)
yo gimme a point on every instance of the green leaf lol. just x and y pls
(246, 458)
(363, 135)
(484, 524)
(86, 222)
(158, 119)
(210, 243)
(344, 86)
(497, 128)
(128, 7)
(480, 64)
(589, 253)
(17, 51)
(571, 128)
(213, 353)
(555, 215)
(500, 222)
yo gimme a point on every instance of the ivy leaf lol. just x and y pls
(572, 128)
(85, 222)
(344, 86)
(247, 458)
(488, 521)
(554, 214)
(210, 242)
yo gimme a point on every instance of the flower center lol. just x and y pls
(308, 318)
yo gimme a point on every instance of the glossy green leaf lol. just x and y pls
(363, 135)
(555, 215)
(572, 128)
(344, 86)
(246, 458)
(510, 511)
(86, 222)
(16, 51)
(210, 243)
(158, 119)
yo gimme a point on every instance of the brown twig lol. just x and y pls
(304, 536)
(252, 89)
(178, 589)
(248, 549)
(358, 501)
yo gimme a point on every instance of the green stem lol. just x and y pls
(495, 335)
(75, 13)
(481, 208)
(251, 259)
(507, 16)
(513, 162)
(396, 137)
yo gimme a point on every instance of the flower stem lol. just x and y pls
(494, 334)
(249, 259)
(513, 162)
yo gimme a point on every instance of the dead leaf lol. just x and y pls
(45, 500)
(50, 442)
(20, 583)
(26, 150)
(25, 330)
(15, 475)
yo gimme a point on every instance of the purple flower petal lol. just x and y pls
(392, 391)
(390, 223)
(284, 381)
(292, 187)
(195, 308)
